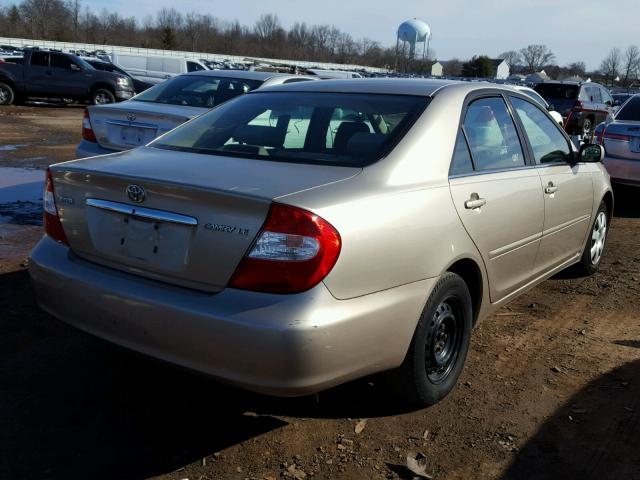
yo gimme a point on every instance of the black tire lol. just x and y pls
(426, 376)
(102, 96)
(587, 129)
(590, 260)
(7, 95)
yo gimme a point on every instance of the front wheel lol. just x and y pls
(439, 346)
(7, 95)
(102, 96)
(593, 250)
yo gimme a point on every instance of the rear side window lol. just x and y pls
(630, 110)
(492, 135)
(461, 163)
(547, 143)
(40, 59)
(557, 91)
(301, 127)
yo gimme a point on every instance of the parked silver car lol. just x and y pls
(305, 235)
(116, 127)
(620, 137)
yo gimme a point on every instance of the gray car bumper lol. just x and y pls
(276, 344)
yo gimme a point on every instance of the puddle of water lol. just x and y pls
(21, 195)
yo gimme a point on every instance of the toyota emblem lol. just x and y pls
(136, 193)
(131, 117)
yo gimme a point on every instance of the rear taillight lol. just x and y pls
(578, 106)
(52, 224)
(87, 131)
(294, 251)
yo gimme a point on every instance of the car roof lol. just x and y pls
(244, 74)
(394, 86)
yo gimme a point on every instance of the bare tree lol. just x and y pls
(513, 58)
(266, 26)
(631, 64)
(535, 57)
(610, 66)
(577, 69)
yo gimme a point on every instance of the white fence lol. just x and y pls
(66, 46)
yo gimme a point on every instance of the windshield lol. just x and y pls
(561, 96)
(301, 127)
(197, 91)
(84, 63)
(630, 110)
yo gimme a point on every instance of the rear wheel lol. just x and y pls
(102, 96)
(593, 250)
(7, 95)
(439, 346)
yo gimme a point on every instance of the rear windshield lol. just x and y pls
(630, 110)
(197, 91)
(301, 127)
(561, 97)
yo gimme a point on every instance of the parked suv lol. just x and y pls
(51, 74)
(583, 105)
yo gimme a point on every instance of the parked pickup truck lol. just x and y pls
(50, 74)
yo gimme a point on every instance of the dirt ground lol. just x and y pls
(551, 388)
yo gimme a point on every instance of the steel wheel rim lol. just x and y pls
(101, 99)
(598, 237)
(444, 338)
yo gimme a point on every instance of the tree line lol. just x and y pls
(67, 20)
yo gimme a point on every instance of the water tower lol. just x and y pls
(411, 33)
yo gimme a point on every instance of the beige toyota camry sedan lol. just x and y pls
(302, 236)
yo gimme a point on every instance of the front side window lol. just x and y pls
(197, 91)
(301, 127)
(492, 135)
(61, 61)
(547, 143)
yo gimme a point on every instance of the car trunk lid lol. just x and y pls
(622, 140)
(122, 126)
(198, 216)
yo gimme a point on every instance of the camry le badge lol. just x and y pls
(136, 193)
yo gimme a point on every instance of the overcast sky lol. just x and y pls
(574, 29)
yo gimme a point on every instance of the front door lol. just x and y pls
(497, 195)
(567, 189)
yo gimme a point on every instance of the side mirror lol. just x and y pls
(617, 103)
(591, 153)
(74, 68)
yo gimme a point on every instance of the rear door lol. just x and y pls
(567, 189)
(497, 194)
(37, 74)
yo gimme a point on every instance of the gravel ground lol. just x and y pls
(551, 388)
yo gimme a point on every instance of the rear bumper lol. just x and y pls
(275, 344)
(623, 171)
(91, 149)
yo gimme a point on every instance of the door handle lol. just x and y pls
(474, 202)
(550, 188)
